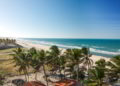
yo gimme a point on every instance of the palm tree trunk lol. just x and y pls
(71, 75)
(88, 72)
(25, 77)
(78, 73)
(36, 76)
(100, 83)
(45, 74)
(60, 73)
(77, 76)
(82, 83)
(64, 73)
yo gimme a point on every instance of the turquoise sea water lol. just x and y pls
(102, 47)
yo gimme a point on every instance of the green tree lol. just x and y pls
(57, 60)
(2, 77)
(86, 60)
(114, 68)
(20, 59)
(101, 63)
(35, 61)
(42, 57)
(75, 56)
(98, 75)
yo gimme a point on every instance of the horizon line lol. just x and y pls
(57, 38)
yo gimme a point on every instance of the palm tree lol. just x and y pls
(75, 56)
(7, 41)
(114, 70)
(2, 77)
(86, 60)
(20, 59)
(34, 60)
(32, 51)
(98, 75)
(116, 61)
(58, 60)
(62, 63)
(101, 64)
(38, 59)
(42, 60)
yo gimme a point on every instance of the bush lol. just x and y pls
(90, 83)
(1, 79)
(2, 76)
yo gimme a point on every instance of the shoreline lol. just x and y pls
(28, 45)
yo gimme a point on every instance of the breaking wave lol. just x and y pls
(92, 49)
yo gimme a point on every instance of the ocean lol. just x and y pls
(100, 47)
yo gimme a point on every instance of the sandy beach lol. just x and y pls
(27, 44)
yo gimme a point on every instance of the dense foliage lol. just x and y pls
(71, 64)
(7, 41)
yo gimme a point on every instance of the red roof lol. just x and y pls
(66, 83)
(33, 83)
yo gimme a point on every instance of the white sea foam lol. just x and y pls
(104, 52)
(118, 50)
(92, 49)
(84, 45)
(96, 47)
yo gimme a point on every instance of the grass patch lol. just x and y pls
(6, 61)
(92, 84)
(6, 56)
(8, 66)
(7, 50)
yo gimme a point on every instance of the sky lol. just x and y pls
(60, 18)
